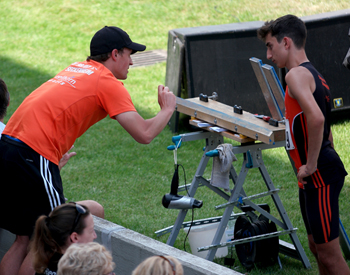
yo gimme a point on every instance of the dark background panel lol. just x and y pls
(217, 60)
(326, 46)
(220, 63)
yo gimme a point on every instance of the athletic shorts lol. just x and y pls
(320, 211)
(30, 186)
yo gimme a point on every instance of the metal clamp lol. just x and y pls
(206, 98)
(237, 109)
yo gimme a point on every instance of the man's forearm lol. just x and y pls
(156, 124)
(315, 137)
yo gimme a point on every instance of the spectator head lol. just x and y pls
(66, 224)
(86, 259)
(159, 265)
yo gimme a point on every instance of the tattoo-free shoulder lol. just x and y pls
(299, 80)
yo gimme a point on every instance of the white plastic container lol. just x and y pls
(203, 235)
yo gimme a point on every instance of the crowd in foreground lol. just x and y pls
(63, 245)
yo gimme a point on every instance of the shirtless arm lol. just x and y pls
(301, 86)
(145, 130)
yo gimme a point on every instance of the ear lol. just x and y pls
(114, 54)
(74, 237)
(286, 42)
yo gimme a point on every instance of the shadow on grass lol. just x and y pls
(21, 80)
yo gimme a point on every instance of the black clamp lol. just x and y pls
(237, 109)
(273, 122)
(206, 98)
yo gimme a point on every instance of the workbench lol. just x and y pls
(254, 136)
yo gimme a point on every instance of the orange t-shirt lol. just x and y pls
(53, 116)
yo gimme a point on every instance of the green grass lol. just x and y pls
(40, 38)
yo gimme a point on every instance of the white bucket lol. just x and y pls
(203, 235)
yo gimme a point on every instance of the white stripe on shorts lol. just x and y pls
(50, 189)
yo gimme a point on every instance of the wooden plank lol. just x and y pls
(222, 115)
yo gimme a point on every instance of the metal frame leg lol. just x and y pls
(211, 143)
(253, 159)
(283, 213)
(226, 216)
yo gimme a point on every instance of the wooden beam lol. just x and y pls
(222, 115)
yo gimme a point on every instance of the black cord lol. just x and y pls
(189, 229)
(183, 169)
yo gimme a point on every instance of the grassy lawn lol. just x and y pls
(40, 38)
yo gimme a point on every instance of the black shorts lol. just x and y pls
(320, 211)
(30, 186)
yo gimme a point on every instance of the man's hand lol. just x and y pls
(303, 173)
(65, 158)
(166, 99)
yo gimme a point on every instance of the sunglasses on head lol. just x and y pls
(81, 211)
(173, 268)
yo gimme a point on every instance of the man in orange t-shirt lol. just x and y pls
(46, 125)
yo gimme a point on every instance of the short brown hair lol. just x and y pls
(103, 57)
(285, 26)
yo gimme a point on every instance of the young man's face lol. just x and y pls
(122, 66)
(275, 51)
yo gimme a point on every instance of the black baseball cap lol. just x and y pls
(110, 38)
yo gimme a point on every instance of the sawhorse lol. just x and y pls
(252, 158)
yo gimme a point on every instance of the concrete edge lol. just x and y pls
(130, 248)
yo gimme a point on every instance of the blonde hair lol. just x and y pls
(86, 259)
(159, 265)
